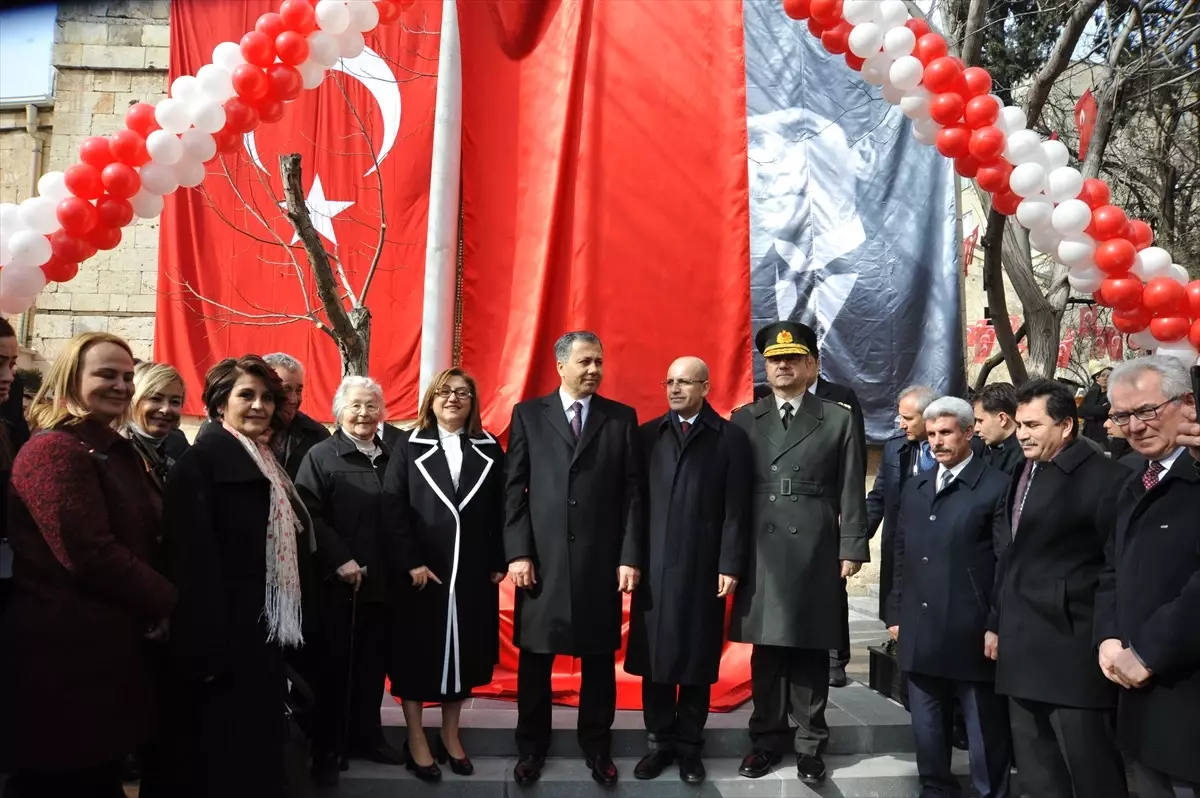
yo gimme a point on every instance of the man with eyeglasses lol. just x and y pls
(808, 522)
(698, 474)
(1060, 508)
(1148, 609)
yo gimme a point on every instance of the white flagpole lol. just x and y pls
(441, 248)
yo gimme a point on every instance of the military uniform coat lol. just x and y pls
(575, 509)
(807, 515)
(699, 500)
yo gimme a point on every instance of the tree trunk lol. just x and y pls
(354, 359)
(993, 278)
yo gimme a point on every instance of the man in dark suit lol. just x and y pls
(698, 495)
(904, 456)
(573, 540)
(300, 433)
(808, 521)
(1061, 509)
(995, 409)
(950, 525)
(1148, 608)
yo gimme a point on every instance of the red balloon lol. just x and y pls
(941, 74)
(140, 119)
(69, 249)
(837, 39)
(919, 27)
(1099, 299)
(389, 12)
(285, 81)
(981, 111)
(946, 108)
(978, 80)
(1095, 192)
(1005, 203)
(1122, 293)
(95, 151)
(292, 48)
(59, 270)
(114, 212)
(1108, 221)
(994, 177)
(83, 180)
(298, 15)
(1114, 256)
(270, 25)
(1194, 334)
(1163, 296)
(258, 48)
(1140, 234)
(854, 62)
(227, 139)
(270, 111)
(128, 147)
(827, 12)
(120, 180)
(251, 83)
(796, 9)
(1131, 321)
(1192, 290)
(815, 28)
(930, 47)
(987, 143)
(77, 216)
(967, 166)
(954, 141)
(104, 237)
(1169, 329)
(240, 116)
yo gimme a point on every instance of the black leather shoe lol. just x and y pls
(604, 770)
(810, 769)
(758, 763)
(382, 753)
(691, 770)
(652, 764)
(528, 769)
(325, 772)
(430, 773)
(459, 767)
(837, 677)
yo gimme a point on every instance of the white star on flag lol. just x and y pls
(321, 210)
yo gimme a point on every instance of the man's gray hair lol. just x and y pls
(1174, 374)
(349, 384)
(282, 360)
(563, 346)
(923, 395)
(951, 407)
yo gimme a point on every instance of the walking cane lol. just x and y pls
(350, 671)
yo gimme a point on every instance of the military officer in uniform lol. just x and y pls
(808, 526)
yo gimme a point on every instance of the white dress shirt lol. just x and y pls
(1169, 461)
(691, 421)
(795, 403)
(568, 400)
(954, 472)
(452, 447)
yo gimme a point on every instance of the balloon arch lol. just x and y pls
(84, 208)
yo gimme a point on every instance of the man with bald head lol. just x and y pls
(699, 477)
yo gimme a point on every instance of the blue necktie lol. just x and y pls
(925, 460)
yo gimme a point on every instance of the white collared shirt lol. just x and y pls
(690, 421)
(813, 388)
(954, 472)
(452, 447)
(1169, 461)
(780, 402)
(568, 400)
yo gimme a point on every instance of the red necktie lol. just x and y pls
(685, 426)
(1153, 471)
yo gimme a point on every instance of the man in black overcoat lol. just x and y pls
(995, 411)
(573, 541)
(1060, 507)
(1148, 609)
(299, 433)
(950, 527)
(698, 498)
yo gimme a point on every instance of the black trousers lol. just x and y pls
(1156, 784)
(1066, 752)
(840, 657)
(597, 703)
(789, 683)
(675, 716)
(98, 782)
(931, 701)
(347, 722)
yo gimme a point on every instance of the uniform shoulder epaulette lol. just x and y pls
(740, 407)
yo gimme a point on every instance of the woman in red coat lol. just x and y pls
(86, 604)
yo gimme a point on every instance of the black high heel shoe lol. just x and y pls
(430, 773)
(459, 767)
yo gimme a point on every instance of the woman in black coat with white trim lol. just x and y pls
(445, 486)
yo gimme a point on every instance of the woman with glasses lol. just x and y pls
(445, 486)
(341, 483)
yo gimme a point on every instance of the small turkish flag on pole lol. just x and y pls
(1085, 121)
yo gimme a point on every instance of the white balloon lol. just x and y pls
(1055, 154)
(891, 14)
(923, 135)
(53, 186)
(1011, 119)
(899, 42)
(189, 173)
(198, 145)
(146, 205)
(1072, 216)
(228, 56)
(1151, 262)
(28, 248)
(208, 116)
(1075, 249)
(332, 16)
(906, 73)
(215, 82)
(891, 94)
(1083, 285)
(364, 16)
(875, 69)
(172, 115)
(311, 73)
(1180, 350)
(1034, 212)
(856, 12)
(20, 281)
(1044, 239)
(1086, 271)
(351, 44)
(1143, 340)
(323, 48)
(1027, 179)
(164, 148)
(185, 88)
(1178, 274)
(1063, 183)
(12, 304)
(5, 255)
(158, 178)
(866, 39)
(1023, 146)
(10, 218)
(915, 104)
(40, 214)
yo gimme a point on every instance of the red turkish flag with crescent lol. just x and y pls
(1085, 121)
(231, 243)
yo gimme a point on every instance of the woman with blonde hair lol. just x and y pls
(158, 394)
(445, 487)
(84, 518)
